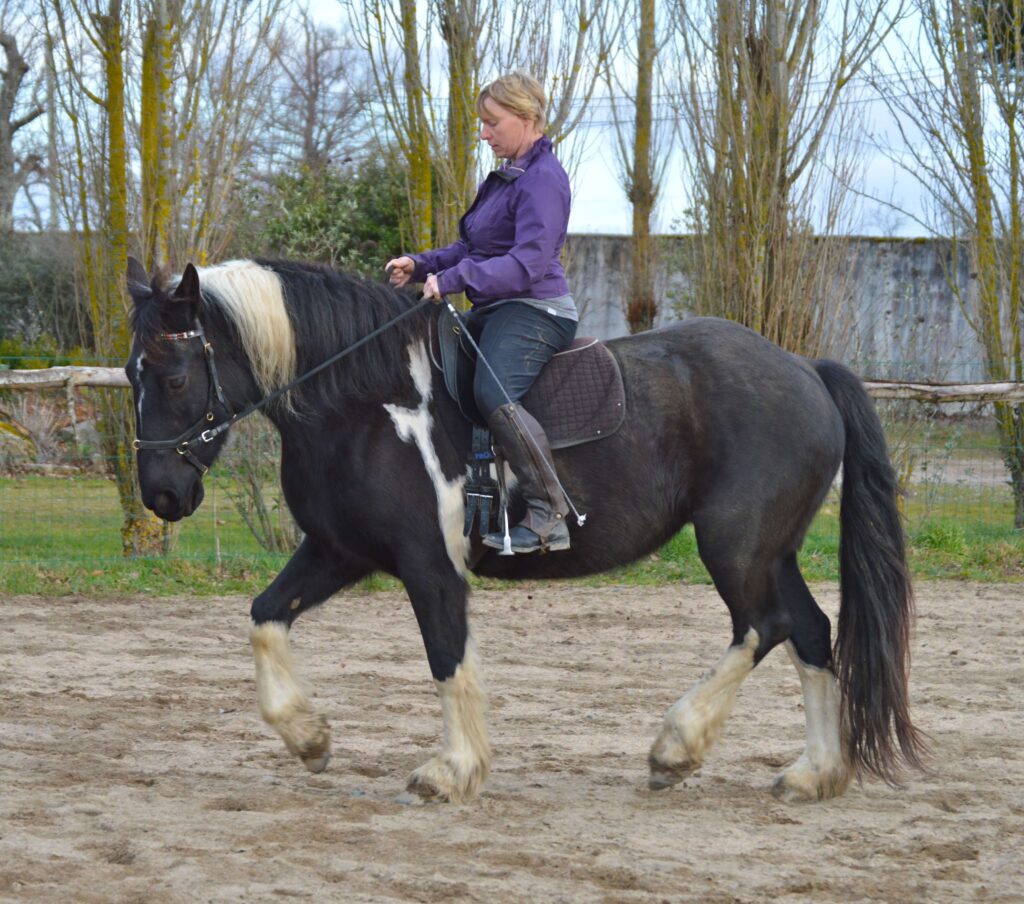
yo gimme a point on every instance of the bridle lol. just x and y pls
(199, 433)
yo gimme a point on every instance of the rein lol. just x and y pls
(198, 433)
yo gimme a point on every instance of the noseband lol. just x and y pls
(199, 432)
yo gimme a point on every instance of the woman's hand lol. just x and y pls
(430, 289)
(401, 270)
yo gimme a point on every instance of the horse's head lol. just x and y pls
(177, 394)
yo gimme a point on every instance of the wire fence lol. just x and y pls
(58, 504)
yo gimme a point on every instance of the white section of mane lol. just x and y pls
(253, 299)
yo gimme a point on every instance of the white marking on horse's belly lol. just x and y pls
(414, 425)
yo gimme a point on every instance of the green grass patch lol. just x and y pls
(61, 537)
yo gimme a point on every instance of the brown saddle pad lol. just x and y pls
(579, 396)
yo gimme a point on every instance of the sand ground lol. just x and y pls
(134, 766)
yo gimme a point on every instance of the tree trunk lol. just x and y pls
(141, 532)
(155, 142)
(459, 28)
(642, 309)
(14, 71)
(420, 176)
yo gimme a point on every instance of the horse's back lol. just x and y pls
(748, 405)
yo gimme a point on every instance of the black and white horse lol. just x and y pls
(723, 429)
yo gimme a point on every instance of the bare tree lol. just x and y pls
(563, 43)
(760, 89)
(423, 120)
(401, 88)
(317, 114)
(222, 83)
(180, 83)
(967, 157)
(91, 88)
(568, 46)
(16, 112)
(641, 148)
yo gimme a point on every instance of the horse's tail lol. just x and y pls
(872, 648)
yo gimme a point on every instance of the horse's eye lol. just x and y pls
(176, 382)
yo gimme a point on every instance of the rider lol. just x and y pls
(506, 260)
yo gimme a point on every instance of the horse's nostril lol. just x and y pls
(164, 503)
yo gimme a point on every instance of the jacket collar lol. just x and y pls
(509, 171)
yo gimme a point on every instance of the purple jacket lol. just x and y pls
(511, 237)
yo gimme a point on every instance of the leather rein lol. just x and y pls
(199, 433)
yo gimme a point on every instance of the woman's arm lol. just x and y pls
(437, 260)
(541, 221)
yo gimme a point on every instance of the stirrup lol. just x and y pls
(523, 540)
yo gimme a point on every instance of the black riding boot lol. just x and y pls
(525, 447)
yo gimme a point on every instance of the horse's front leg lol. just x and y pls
(457, 773)
(312, 574)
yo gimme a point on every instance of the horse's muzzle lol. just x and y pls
(170, 506)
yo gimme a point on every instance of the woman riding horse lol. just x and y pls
(506, 260)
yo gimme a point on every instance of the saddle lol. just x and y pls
(577, 398)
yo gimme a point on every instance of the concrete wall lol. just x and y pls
(905, 320)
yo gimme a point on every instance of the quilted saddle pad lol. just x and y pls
(578, 397)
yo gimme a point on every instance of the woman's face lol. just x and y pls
(508, 135)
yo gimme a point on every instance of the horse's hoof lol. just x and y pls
(442, 780)
(317, 764)
(665, 776)
(800, 785)
(425, 789)
(659, 782)
(308, 736)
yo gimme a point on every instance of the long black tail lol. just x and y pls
(872, 648)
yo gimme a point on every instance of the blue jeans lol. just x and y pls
(517, 340)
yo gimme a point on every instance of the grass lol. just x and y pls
(60, 537)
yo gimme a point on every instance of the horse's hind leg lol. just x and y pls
(438, 595)
(822, 770)
(743, 577)
(310, 576)
(696, 720)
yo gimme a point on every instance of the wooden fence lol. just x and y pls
(67, 378)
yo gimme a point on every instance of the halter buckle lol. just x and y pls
(208, 436)
(135, 444)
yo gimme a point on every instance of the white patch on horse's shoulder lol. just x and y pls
(414, 425)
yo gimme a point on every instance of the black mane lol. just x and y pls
(329, 311)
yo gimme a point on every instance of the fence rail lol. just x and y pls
(63, 377)
(70, 376)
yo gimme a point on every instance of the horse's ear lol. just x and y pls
(138, 281)
(188, 288)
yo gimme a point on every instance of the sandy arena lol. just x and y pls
(134, 766)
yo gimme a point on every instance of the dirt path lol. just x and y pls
(134, 767)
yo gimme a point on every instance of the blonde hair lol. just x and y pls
(518, 92)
